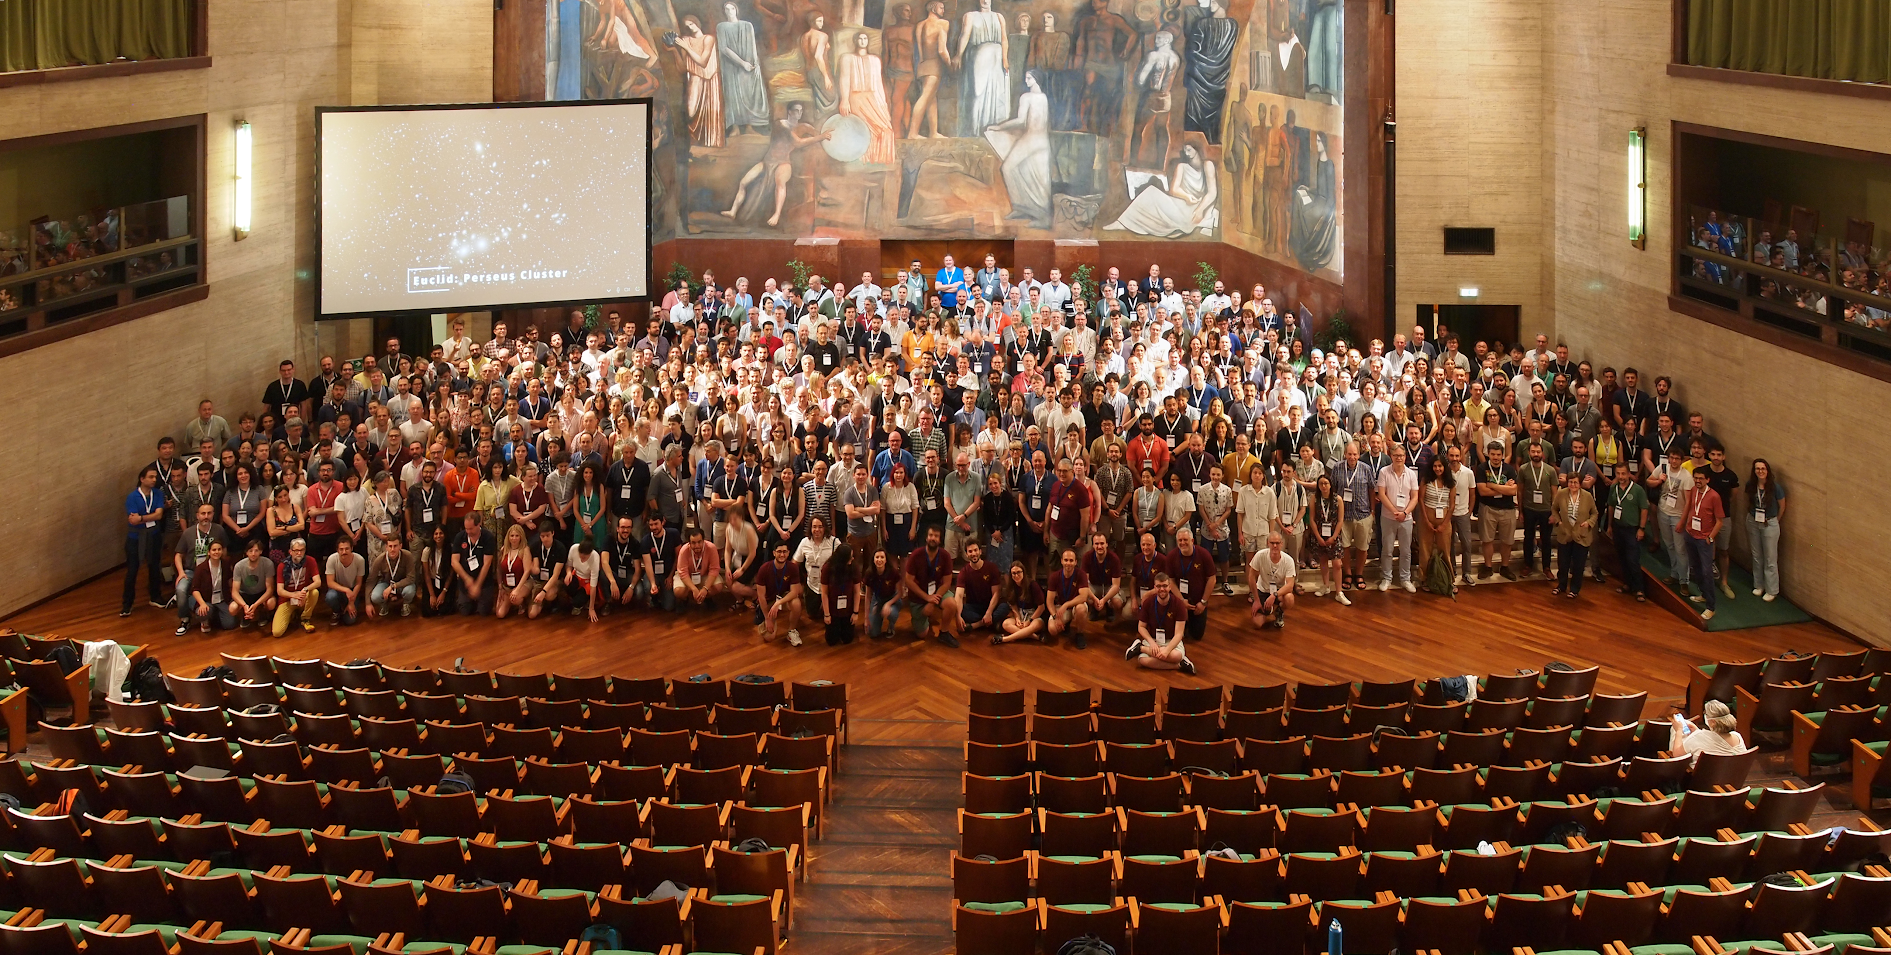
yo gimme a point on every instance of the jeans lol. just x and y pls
(146, 549)
(877, 623)
(917, 608)
(1628, 555)
(1467, 542)
(380, 593)
(666, 598)
(219, 616)
(1700, 556)
(1764, 541)
(344, 608)
(1673, 538)
(186, 604)
(1570, 563)
(1536, 539)
(1391, 532)
(1001, 554)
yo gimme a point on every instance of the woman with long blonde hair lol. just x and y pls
(517, 568)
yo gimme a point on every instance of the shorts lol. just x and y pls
(970, 615)
(1497, 524)
(1220, 550)
(1356, 534)
(1723, 538)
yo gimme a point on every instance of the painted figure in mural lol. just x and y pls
(569, 82)
(896, 42)
(703, 94)
(768, 179)
(1210, 57)
(1017, 52)
(1314, 211)
(814, 53)
(1234, 150)
(984, 90)
(1050, 56)
(616, 27)
(1286, 51)
(1187, 205)
(1104, 41)
(1277, 181)
(932, 58)
(1325, 66)
(1149, 144)
(863, 95)
(1257, 135)
(744, 95)
(1024, 145)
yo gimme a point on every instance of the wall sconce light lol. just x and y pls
(1467, 291)
(241, 213)
(1638, 187)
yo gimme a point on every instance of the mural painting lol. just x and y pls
(1108, 119)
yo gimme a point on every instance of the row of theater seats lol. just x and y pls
(307, 802)
(1686, 920)
(1723, 679)
(1831, 709)
(1224, 817)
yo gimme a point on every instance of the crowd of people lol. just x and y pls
(1852, 265)
(1014, 458)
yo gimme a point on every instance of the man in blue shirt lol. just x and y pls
(144, 537)
(949, 282)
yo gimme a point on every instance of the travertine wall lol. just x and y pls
(1819, 425)
(1471, 135)
(274, 62)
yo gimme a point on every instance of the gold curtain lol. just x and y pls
(1824, 39)
(47, 34)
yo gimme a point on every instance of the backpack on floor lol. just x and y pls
(1086, 945)
(1438, 576)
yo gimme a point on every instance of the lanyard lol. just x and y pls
(147, 496)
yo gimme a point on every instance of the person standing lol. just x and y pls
(1675, 483)
(1193, 573)
(1767, 500)
(1701, 517)
(322, 505)
(144, 538)
(1573, 519)
(1536, 485)
(1398, 492)
(1628, 526)
(1354, 482)
(1724, 480)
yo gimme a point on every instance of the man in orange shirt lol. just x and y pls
(462, 486)
(1148, 451)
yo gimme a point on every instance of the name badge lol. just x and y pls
(656, 566)
(1695, 523)
(1347, 497)
(387, 527)
(1171, 440)
(426, 515)
(512, 580)
(1438, 513)
(1326, 530)
(242, 517)
(840, 603)
(932, 588)
(1113, 499)
(1759, 517)
(1037, 503)
(679, 495)
(899, 520)
(472, 562)
(1618, 512)
(1536, 497)
(932, 505)
(695, 580)
(1162, 635)
(867, 518)
(1184, 583)
(827, 359)
(1197, 488)
(624, 492)
(1055, 512)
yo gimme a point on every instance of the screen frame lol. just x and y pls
(649, 105)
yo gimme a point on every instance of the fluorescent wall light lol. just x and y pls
(1638, 187)
(240, 214)
(1467, 291)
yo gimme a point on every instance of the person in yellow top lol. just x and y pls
(1236, 464)
(919, 340)
(490, 499)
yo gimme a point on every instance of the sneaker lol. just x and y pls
(1280, 624)
(794, 638)
(1133, 651)
(1508, 574)
(1082, 644)
(159, 604)
(127, 612)
(1757, 592)
(1725, 589)
(308, 625)
(949, 640)
(577, 611)
(1697, 598)
(1410, 588)
(1470, 580)
(1187, 666)
(1769, 598)
(997, 641)
(1343, 600)
(170, 601)
(1483, 573)
(1323, 591)
(1707, 615)
(182, 628)
(407, 610)
(1385, 585)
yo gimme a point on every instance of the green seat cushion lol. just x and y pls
(1085, 908)
(356, 942)
(1074, 859)
(1841, 943)
(1174, 906)
(735, 899)
(998, 907)
(1662, 950)
(1157, 859)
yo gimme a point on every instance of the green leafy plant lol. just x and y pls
(1081, 284)
(1205, 276)
(1337, 328)
(801, 271)
(680, 273)
(593, 313)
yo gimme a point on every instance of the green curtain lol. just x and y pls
(47, 34)
(1825, 39)
(18, 48)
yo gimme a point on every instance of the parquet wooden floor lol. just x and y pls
(879, 882)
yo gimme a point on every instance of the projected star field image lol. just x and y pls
(442, 209)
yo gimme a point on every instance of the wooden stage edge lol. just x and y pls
(1487, 629)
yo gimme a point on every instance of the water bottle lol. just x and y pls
(1335, 938)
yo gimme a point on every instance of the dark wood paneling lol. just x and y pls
(67, 74)
(1804, 84)
(518, 51)
(1370, 98)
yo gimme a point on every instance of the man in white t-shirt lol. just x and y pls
(1271, 584)
(1398, 497)
(1461, 517)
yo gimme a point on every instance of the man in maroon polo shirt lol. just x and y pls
(928, 574)
(1105, 571)
(1159, 640)
(1193, 571)
(1064, 592)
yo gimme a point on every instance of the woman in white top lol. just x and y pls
(1719, 738)
(1178, 509)
(352, 502)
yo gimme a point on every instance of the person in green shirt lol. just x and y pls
(1626, 507)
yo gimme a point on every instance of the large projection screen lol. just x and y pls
(454, 208)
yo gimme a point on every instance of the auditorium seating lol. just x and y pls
(1539, 816)
(300, 804)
